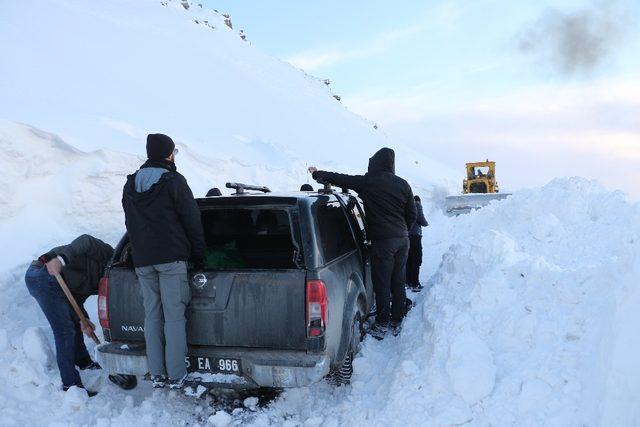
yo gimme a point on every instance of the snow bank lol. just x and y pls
(525, 322)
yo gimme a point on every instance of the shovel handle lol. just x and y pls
(76, 308)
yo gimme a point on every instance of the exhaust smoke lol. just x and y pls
(578, 42)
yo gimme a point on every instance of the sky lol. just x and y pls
(544, 88)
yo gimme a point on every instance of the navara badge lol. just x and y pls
(199, 281)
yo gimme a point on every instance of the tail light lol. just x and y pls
(316, 308)
(103, 302)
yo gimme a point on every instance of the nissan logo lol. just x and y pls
(199, 280)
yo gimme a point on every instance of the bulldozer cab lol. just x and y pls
(481, 178)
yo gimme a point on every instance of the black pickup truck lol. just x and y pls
(282, 301)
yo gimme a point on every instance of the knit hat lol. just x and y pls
(159, 146)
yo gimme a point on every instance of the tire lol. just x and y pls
(125, 382)
(341, 375)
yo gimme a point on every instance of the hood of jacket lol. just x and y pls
(384, 160)
(149, 195)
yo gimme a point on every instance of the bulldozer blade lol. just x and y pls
(465, 203)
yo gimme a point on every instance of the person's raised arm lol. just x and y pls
(353, 182)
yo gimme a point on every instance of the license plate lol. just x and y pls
(214, 364)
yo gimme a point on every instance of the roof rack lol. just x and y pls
(327, 189)
(240, 188)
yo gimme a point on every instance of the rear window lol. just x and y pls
(334, 231)
(248, 239)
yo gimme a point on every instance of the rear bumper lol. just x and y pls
(260, 368)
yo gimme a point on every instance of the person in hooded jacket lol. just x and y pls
(165, 229)
(414, 261)
(391, 210)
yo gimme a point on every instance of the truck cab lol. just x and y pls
(281, 302)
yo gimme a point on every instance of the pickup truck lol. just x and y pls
(282, 302)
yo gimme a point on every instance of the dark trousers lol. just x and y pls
(388, 270)
(70, 348)
(414, 260)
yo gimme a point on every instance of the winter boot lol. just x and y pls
(396, 328)
(176, 384)
(378, 331)
(158, 381)
(408, 305)
(417, 288)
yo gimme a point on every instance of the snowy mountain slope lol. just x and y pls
(102, 74)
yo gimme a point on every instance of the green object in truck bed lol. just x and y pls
(223, 256)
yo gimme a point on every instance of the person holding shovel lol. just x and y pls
(80, 264)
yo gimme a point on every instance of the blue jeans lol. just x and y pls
(70, 348)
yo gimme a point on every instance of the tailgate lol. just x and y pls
(126, 312)
(259, 308)
(249, 309)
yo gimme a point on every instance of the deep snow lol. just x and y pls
(531, 314)
(528, 321)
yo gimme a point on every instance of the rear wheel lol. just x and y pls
(341, 375)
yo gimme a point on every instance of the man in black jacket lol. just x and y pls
(390, 208)
(414, 261)
(81, 263)
(164, 225)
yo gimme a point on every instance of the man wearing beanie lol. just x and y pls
(165, 230)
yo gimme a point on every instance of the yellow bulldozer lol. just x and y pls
(479, 188)
(481, 178)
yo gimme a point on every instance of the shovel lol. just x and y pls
(76, 308)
